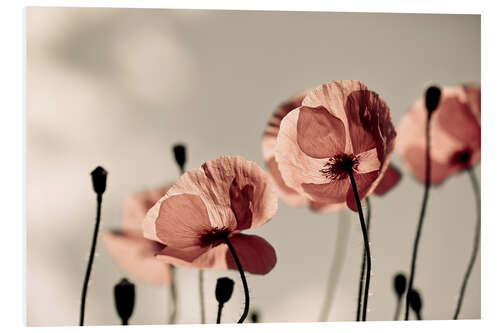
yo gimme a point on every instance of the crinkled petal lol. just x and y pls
(136, 255)
(289, 195)
(319, 133)
(389, 179)
(295, 166)
(216, 181)
(178, 220)
(456, 119)
(368, 161)
(256, 255)
(332, 192)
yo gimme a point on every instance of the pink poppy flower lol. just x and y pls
(455, 131)
(210, 204)
(337, 126)
(134, 253)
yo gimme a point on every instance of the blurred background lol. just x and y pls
(119, 87)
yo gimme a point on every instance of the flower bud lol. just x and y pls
(99, 176)
(415, 301)
(224, 289)
(399, 284)
(432, 97)
(124, 299)
(180, 155)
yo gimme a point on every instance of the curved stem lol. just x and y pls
(219, 312)
(91, 259)
(200, 291)
(338, 259)
(477, 235)
(367, 244)
(243, 280)
(363, 264)
(422, 213)
(172, 315)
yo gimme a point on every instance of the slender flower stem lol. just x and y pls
(422, 211)
(172, 313)
(475, 247)
(91, 259)
(338, 259)
(200, 291)
(243, 280)
(367, 244)
(219, 312)
(398, 309)
(363, 264)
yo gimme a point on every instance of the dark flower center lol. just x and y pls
(214, 237)
(339, 166)
(462, 157)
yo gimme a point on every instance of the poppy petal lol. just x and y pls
(136, 255)
(136, 207)
(332, 192)
(390, 178)
(368, 161)
(295, 166)
(289, 195)
(319, 133)
(179, 220)
(256, 255)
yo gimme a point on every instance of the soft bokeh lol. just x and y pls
(119, 87)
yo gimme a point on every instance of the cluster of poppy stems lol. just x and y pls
(327, 148)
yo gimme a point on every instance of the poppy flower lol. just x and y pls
(210, 205)
(337, 127)
(134, 253)
(455, 130)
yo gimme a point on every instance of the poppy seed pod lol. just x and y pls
(180, 155)
(399, 284)
(99, 176)
(415, 301)
(432, 97)
(224, 289)
(124, 299)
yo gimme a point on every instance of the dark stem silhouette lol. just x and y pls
(172, 313)
(475, 246)
(422, 211)
(367, 244)
(363, 261)
(243, 280)
(338, 259)
(219, 312)
(91, 259)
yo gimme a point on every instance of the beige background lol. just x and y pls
(118, 87)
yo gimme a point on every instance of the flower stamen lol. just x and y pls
(339, 166)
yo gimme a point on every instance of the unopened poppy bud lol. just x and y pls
(432, 97)
(415, 301)
(180, 155)
(399, 284)
(124, 299)
(99, 176)
(254, 316)
(224, 289)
